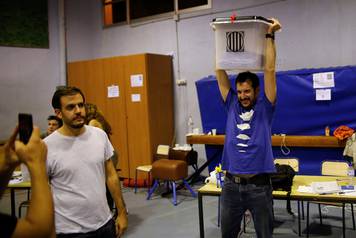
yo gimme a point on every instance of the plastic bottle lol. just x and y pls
(327, 131)
(190, 125)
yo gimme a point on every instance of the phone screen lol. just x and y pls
(25, 127)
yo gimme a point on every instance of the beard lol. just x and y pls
(250, 105)
(77, 126)
(74, 123)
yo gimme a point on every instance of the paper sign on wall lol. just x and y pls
(136, 80)
(323, 80)
(113, 91)
(135, 97)
(323, 94)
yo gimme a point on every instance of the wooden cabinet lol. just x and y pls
(142, 116)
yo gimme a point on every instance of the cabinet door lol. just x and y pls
(160, 100)
(93, 77)
(115, 111)
(137, 112)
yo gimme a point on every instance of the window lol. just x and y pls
(144, 8)
(114, 11)
(124, 11)
(184, 4)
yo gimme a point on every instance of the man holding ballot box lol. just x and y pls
(247, 155)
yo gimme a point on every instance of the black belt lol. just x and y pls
(259, 179)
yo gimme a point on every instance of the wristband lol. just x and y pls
(270, 35)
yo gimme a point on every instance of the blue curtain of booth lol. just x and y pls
(297, 112)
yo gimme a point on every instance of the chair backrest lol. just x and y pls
(162, 150)
(293, 162)
(335, 168)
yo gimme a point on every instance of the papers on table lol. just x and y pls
(16, 180)
(348, 193)
(305, 189)
(16, 177)
(327, 188)
(184, 148)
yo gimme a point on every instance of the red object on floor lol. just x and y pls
(140, 183)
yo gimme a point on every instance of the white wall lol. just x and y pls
(28, 79)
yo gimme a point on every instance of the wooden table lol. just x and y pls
(13, 187)
(212, 190)
(290, 141)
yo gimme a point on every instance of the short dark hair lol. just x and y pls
(64, 91)
(248, 76)
(53, 117)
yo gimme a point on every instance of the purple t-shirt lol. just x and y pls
(247, 148)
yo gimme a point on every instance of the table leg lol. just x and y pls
(343, 221)
(307, 219)
(299, 227)
(194, 177)
(12, 199)
(201, 218)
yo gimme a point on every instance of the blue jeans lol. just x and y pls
(236, 199)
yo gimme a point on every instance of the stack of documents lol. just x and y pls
(328, 188)
(325, 187)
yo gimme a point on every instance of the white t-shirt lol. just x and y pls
(76, 169)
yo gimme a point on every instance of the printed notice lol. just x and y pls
(113, 91)
(136, 80)
(136, 97)
(323, 80)
(323, 94)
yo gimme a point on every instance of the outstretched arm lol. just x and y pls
(39, 221)
(270, 62)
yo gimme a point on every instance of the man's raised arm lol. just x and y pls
(223, 82)
(270, 62)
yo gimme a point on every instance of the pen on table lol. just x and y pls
(344, 192)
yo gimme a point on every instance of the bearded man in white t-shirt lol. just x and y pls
(78, 166)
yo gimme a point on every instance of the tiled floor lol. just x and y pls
(159, 218)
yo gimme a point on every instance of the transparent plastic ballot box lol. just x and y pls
(240, 42)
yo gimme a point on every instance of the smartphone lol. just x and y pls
(25, 127)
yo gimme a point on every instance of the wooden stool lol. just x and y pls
(170, 171)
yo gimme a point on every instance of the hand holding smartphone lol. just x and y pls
(25, 127)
